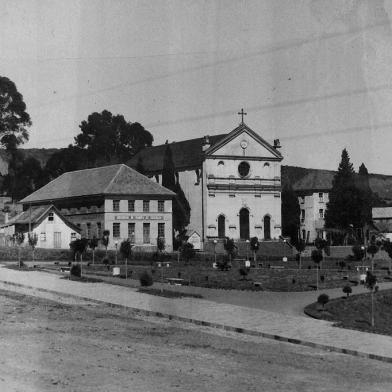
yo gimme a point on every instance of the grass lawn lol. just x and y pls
(167, 293)
(354, 312)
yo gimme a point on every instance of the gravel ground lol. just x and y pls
(51, 346)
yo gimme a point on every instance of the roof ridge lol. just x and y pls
(92, 168)
(114, 177)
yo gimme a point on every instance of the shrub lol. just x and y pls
(243, 272)
(323, 299)
(347, 290)
(76, 270)
(358, 251)
(187, 251)
(145, 279)
(105, 261)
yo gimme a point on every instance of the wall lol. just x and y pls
(139, 217)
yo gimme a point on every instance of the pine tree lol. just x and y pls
(290, 214)
(181, 207)
(344, 208)
(367, 198)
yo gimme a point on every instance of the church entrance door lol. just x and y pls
(244, 224)
(267, 227)
(221, 226)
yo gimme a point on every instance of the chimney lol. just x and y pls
(206, 143)
(277, 144)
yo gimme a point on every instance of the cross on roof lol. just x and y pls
(242, 114)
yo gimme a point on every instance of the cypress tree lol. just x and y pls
(290, 214)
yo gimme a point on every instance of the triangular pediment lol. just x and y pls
(243, 141)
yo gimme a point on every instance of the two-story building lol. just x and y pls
(114, 198)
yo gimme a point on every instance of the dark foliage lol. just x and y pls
(358, 252)
(126, 249)
(323, 299)
(78, 246)
(187, 251)
(317, 256)
(76, 270)
(290, 214)
(145, 279)
(347, 290)
(230, 247)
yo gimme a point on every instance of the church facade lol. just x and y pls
(231, 181)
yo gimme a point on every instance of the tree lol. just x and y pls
(14, 120)
(323, 299)
(187, 251)
(358, 251)
(105, 241)
(229, 247)
(109, 138)
(372, 249)
(370, 284)
(345, 199)
(19, 238)
(290, 214)
(254, 245)
(78, 247)
(181, 207)
(300, 246)
(33, 239)
(387, 246)
(317, 257)
(92, 244)
(366, 197)
(126, 252)
(347, 290)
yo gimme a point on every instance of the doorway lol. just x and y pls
(244, 224)
(221, 226)
(267, 227)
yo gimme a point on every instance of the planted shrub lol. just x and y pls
(347, 290)
(243, 272)
(323, 299)
(145, 279)
(76, 270)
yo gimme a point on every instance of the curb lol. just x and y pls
(229, 328)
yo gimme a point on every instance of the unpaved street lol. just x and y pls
(47, 346)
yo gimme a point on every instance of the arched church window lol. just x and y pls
(266, 164)
(243, 169)
(221, 163)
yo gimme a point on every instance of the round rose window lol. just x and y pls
(243, 169)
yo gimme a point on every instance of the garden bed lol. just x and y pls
(167, 293)
(354, 312)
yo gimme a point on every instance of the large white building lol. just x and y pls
(232, 183)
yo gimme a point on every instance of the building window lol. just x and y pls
(50, 217)
(146, 233)
(161, 230)
(131, 232)
(43, 237)
(302, 199)
(116, 205)
(88, 224)
(73, 237)
(131, 205)
(302, 216)
(243, 169)
(146, 206)
(161, 206)
(321, 197)
(321, 213)
(116, 230)
(99, 229)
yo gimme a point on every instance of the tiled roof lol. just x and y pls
(186, 154)
(107, 180)
(35, 214)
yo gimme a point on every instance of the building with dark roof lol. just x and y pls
(115, 198)
(231, 181)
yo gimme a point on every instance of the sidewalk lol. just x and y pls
(257, 322)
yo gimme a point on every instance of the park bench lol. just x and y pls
(66, 270)
(177, 281)
(313, 287)
(276, 267)
(257, 284)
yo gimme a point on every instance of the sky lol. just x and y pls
(314, 73)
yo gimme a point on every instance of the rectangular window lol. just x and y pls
(321, 213)
(116, 205)
(43, 236)
(146, 233)
(131, 232)
(321, 197)
(73, 237)
(131, 205)
(99, 229)
(88, 224)
(146, 205)
(161, 205)
(116, 230)
(50, 217)
(161, 230)
(302, 216)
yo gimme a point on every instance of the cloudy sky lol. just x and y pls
(314, 73)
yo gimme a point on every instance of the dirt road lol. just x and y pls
(48, 346)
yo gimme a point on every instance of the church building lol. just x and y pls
(231, 181)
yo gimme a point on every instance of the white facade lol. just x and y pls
(242, 188)
(313, 207)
